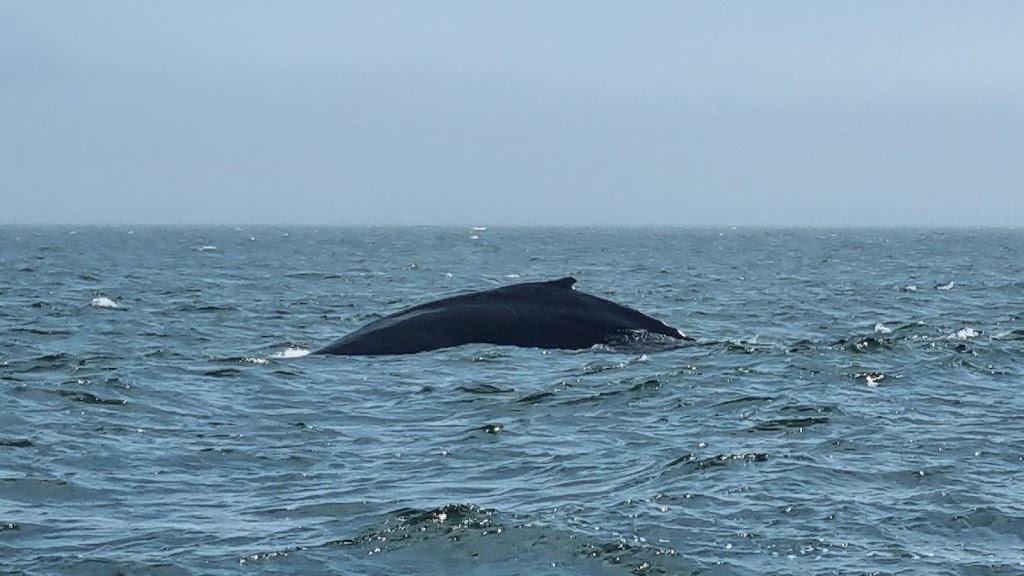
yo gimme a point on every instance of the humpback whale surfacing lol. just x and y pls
(532, 314)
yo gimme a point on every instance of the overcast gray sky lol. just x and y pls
(496, 112)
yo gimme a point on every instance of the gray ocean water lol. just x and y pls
(853, 405)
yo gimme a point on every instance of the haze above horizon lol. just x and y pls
(528, 113)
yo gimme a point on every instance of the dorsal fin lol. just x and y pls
(563, 283)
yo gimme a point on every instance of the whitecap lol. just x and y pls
(291, 352)
(479, 228)
(103, 302)
(948, 286)
(474, 237)
(205, 248)
(964, 334)
(882, 328)
(871, 378)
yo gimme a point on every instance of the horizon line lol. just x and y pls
(487, 226)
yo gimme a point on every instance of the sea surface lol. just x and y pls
(854, 404)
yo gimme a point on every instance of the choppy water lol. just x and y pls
(854, 405)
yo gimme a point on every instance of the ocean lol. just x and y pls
(853, 405)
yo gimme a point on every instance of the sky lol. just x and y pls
(477, 112)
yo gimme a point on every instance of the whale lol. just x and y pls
(550, 314)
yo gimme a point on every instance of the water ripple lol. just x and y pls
(828, 420)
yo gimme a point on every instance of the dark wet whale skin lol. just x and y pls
(533, 314)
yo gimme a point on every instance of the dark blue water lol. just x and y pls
(854, 405)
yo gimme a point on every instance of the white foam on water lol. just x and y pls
(966, 333)
(103, 302)
(291, 352)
